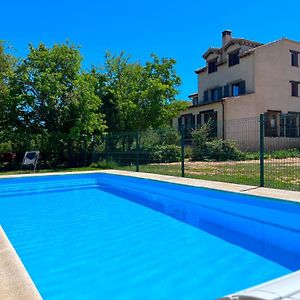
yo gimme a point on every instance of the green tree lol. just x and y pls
(7, 63)
(54, 105)
(135, 96)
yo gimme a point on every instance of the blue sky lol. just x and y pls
(179, 29)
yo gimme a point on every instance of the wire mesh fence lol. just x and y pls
(282, 151)
(243, 151)
(260, 151)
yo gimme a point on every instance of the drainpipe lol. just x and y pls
(223, 120)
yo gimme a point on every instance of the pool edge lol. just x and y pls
(15, 282)
(216, 185)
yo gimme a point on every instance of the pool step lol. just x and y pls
(44, 187)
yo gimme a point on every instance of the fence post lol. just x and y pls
(182, 151)
(261, 149)
(138, 151)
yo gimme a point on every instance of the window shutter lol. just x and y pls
(205, 96)
(226, 90)
(198, 119)
(193, 120)
(242, 89)
(180, 122)
(219, 93)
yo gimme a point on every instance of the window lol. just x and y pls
(233, 58)
(212, 66)
(235, 90)
(289, 124)
(294, 88)
(216, 94)
(195, 100)
(213, 95)
(294, 58)
(271, 123)
(179, 122)
(238, 88)
(205, 96)
(188, 121)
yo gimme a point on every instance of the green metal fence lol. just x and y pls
(259, 151)
(242, 151)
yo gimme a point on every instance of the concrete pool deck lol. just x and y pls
(15, 282)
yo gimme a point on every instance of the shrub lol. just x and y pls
(151, 138)
(221, 150)
(284, 153)
(103, 164)
(200, 137)
(188, 151)
(166, 153)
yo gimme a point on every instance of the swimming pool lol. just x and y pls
(102, 236)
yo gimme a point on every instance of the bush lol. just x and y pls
(5, 147)
(221, 150)
(188, 150)
(103, 164)
(153, 137)
(166, 153)
(284, 153)
(277, 154)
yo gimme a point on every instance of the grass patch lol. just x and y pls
(278, 173)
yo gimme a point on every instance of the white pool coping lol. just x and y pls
(285, 288)
(16, 284)
(223, 186)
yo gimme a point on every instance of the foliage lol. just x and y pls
(154, 137)
(53, 106)
(135, 96)
(188, 150)
(200, 137)
(221, 150)
(213, 149)
(277, 154)
(166, 153)
(48, 103)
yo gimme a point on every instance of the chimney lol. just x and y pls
(226, 37)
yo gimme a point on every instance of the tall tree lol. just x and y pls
(7, 63)
(138, 96)
(54, 104)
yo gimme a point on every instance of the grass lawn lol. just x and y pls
(279, 173)
(81, 169)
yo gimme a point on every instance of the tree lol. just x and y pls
(7, 62)
(137, 97)
(54, 105)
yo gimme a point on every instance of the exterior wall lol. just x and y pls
(273, 72)
(244, 70)
(242, 122)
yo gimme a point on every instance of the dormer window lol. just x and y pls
(212, 66)
(233, 58)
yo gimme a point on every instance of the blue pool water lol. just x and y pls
(103, 236)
